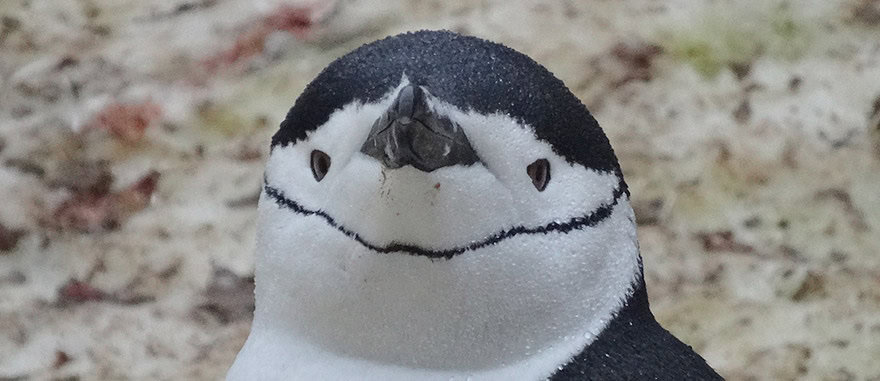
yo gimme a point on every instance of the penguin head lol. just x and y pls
(440, 201)
(430, 143)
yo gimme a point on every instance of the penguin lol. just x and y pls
(441, 207)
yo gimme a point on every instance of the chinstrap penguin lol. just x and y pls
(441, 207)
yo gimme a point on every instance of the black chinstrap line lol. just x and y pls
(575, 223)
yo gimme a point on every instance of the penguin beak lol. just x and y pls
(409, 133)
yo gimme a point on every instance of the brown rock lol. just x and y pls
(229, 298)
(90, 211)
(722, 241)
(9, 238)
(812, 287)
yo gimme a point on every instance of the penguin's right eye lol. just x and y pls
(320, 164)
(539, 171)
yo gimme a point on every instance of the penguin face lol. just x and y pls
(507, 183)
(507, 148)
(441, 212)
(465, 213)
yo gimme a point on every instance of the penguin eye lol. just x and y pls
(539, 171)
(320, 164)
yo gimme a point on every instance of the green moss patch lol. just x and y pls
(727, 36)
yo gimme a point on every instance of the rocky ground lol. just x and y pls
(132, 137)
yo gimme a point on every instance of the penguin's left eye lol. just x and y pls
(539, 171)
(320, 164)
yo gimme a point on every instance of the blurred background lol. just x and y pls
(133, 135)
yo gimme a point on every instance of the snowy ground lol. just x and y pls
(132, 136)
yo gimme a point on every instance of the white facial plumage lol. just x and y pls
(515, 300)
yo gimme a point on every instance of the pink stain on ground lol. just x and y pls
(127, 121)
(297, 21)
(79, 292)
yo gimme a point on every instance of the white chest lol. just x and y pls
(330, 308)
